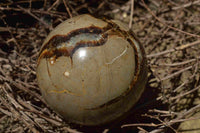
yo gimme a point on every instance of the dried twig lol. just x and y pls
(175, 49)
(131, 16)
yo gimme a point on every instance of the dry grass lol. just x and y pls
(168, 29)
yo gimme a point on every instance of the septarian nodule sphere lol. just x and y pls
(91, 71)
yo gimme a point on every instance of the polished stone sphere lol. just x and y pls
(91, 71)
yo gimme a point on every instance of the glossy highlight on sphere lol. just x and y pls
(91, 71)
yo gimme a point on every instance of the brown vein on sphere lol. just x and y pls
(137, 68)
(136, 74)
(126, 35)
(50, 48)
(140, 45)
(58, 39)
(48, 70)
